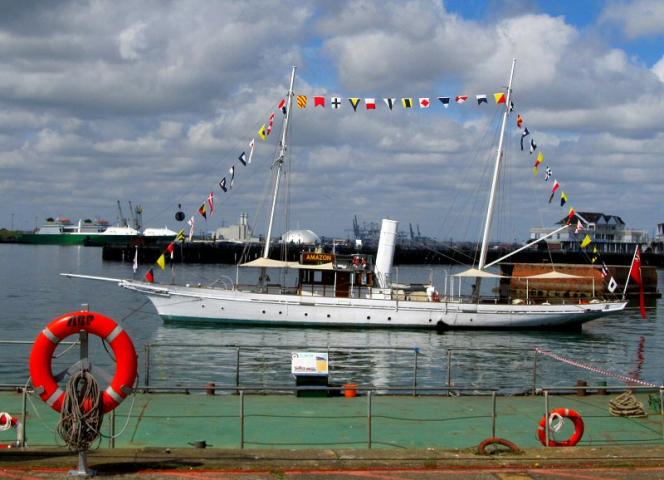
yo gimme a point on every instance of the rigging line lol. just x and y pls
(466, 173)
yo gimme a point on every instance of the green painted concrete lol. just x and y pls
(286, 421)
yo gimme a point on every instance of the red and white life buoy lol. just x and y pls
(7, 421)
(69, 324)
(561, 413)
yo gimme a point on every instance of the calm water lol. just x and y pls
(32, 294)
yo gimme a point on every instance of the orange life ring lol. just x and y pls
(68, 324)
(574, 416)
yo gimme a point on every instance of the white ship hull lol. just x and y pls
(222, 306)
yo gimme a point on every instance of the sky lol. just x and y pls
(152, 102)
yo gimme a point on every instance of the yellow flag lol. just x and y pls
(500, 97)
(161, 261)
(301, 101)
(180, 236)
(586, 241)
(540, 159)
(263, 132)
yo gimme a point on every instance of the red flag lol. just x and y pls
(282, 106)
(635, 274)
(571, 215)
(149, 276)
(519, 120)
(171, 249)
(319, 101)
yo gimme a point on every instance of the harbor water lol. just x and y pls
(33, 293)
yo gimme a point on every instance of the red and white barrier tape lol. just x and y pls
(601, 371)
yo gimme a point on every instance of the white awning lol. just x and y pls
(554, 275)
(269, 263)
(474, 273)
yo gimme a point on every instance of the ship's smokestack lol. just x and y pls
(385, 254)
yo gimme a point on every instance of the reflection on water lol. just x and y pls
(624, 343)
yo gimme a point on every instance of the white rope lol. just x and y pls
(593, 369)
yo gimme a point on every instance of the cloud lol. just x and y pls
(638, 18)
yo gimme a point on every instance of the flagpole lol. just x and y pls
(279, 162)
(629, 274)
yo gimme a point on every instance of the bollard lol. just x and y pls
(209, 390)
(581, 392)
(601, 388)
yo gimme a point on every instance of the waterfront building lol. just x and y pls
(607, 232)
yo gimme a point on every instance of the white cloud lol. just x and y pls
(131, 41)
(638, 18)
(658, 69)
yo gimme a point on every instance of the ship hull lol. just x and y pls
(220, 306)
(73, 239)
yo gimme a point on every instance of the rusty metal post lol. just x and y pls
(449, 371)
(417, 352)
(535, 373)
(493, 413)
(241, 419)
(546, 418)
(369, 418)
(146, 349)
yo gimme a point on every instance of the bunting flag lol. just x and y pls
(538, 161)
(547, 173)
(481, 99)
(202, 211)
(524, 135)
(533, 146)
(424, 102)
(370, 103)
(500, 97)
(301, 101)
(586, 241)
(611, 287)
(519, 121)
(335, 102)
(579, 228)
(511, 106)
(389, 102)
(263, 132)
(635, 274)
(461, 98)
(282, 106)
(161, 261)
(222, 184)
(270, 123)
(445, 101)
(232, 172)
(171, 249)
(210, 201)
(149, 276)
(605, 270)
(319, 102)
(555, 188)
(251, 150)
(243, 159)
(354, 102)
(563, 199)
(407, 102)
(180, 236)
(595, 254)
(191, 223)
(571, 215)
(135, 265)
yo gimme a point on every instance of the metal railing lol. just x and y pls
(369, 392)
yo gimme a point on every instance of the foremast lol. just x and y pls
(494, 183)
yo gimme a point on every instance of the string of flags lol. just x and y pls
(587, 241)
(370, 103)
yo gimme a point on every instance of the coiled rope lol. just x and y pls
(626, 405)
(82, 414)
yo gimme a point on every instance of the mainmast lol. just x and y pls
(279, 162)
(496, 174)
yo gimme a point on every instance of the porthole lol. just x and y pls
(279, 312)
(263, 311)
(429, 320)
(368, 317)
(306, 314)
(328, 315)
(389, 318)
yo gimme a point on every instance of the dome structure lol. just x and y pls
(304, 237)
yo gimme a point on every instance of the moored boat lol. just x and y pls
(353, 291)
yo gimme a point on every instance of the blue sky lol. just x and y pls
(153, 102)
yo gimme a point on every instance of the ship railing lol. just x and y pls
(368, 424)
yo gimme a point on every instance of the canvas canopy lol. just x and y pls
(554, 275)
(474, 273)
(270, 263)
